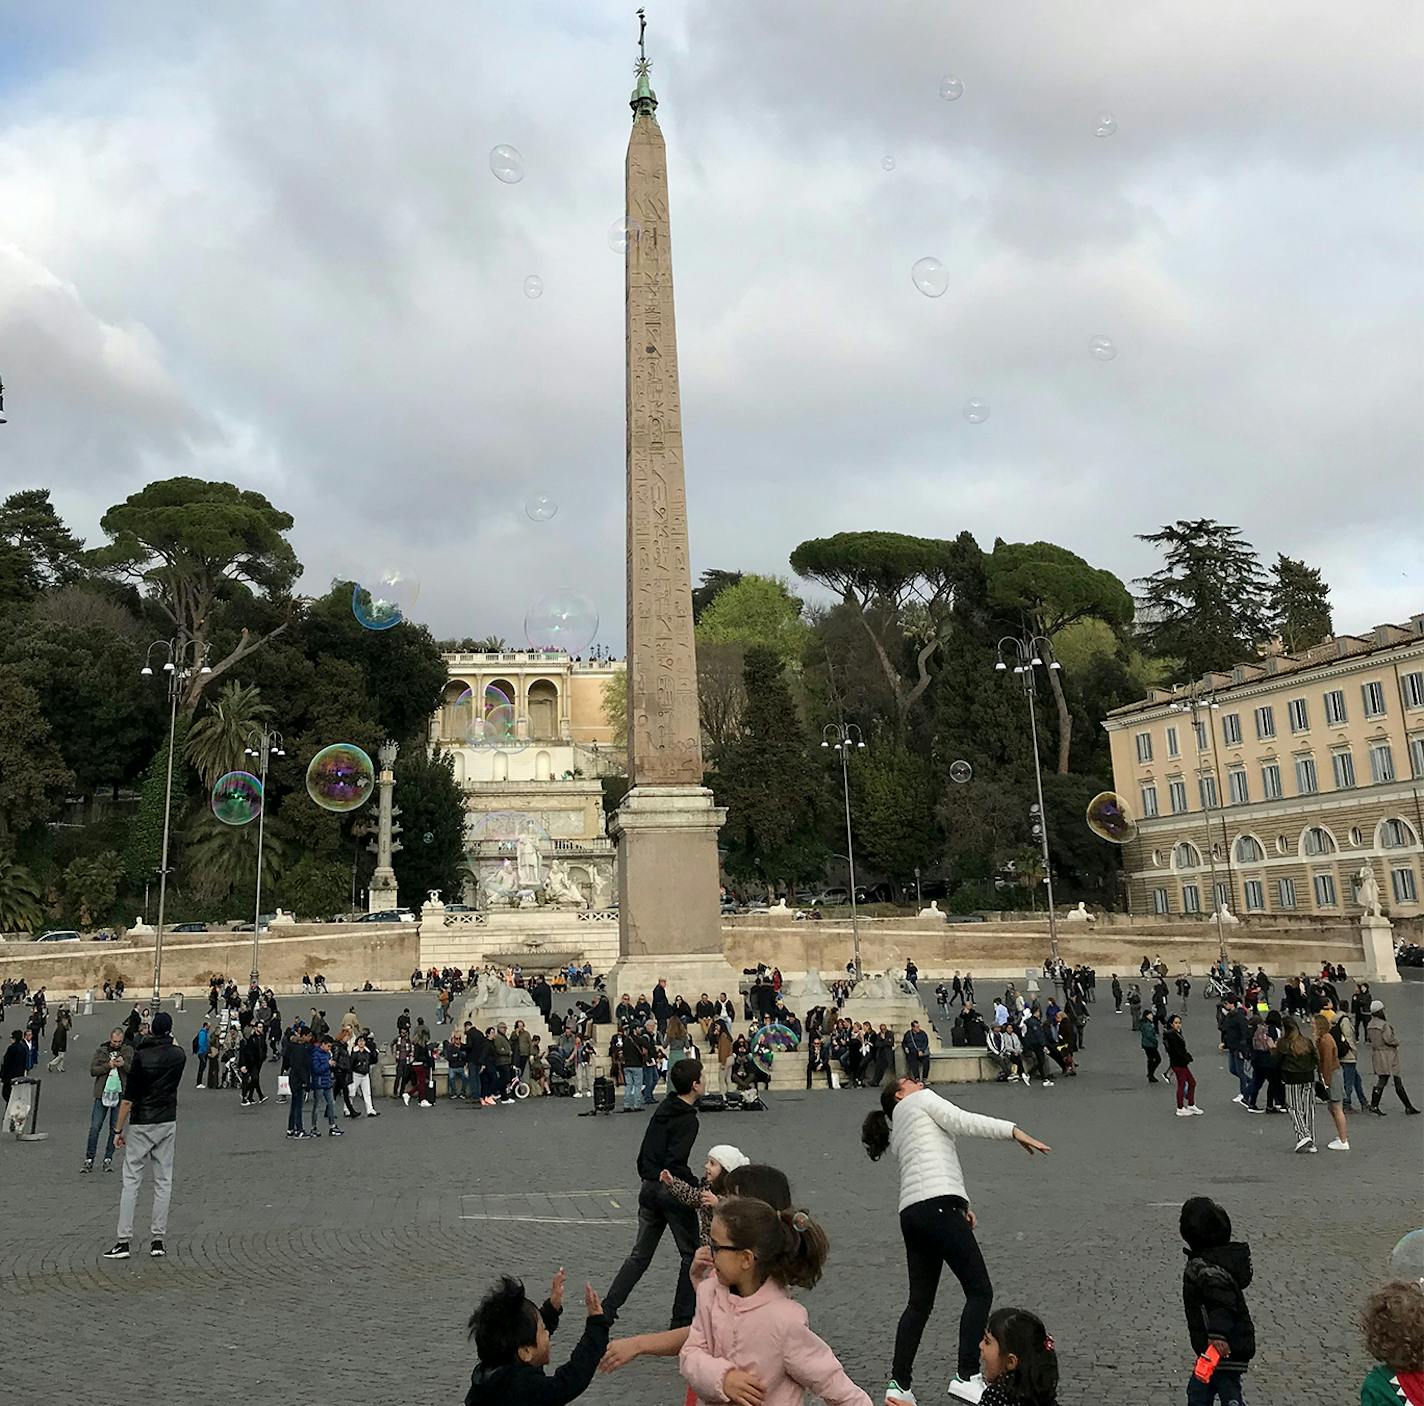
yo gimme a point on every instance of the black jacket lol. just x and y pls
(299, 1063)
(1177, 1054)
(518, 1384)
(668, 1139)
(1213, 1295)
(661, 1004)
(1236, 1032)
(15, 1064)
(152, 1085)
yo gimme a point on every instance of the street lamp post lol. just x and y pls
(266, 744)
(1196, 703)
(843, 737)
(185, 657)
(1030, 654)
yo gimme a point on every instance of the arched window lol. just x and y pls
(1395, 833)
(1186, 856)
(1248, 850)
(1317, 840)
(543, 710)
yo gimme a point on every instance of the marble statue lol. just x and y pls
(502, 885)
(530, 865)
(601, 884)
(1226, 915)
(1080, 914)
(932, 911)
(560, 889)
(1368, 891)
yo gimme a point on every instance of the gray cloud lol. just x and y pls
(267, 246)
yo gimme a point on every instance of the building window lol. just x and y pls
(1236, 787)
(1191, 898)
(1201, 736)
(1186, 856)
(1157, 858)
(1265, 722)
(1282, 845)
(1299, 715)
(1172, 749)
(1271, 782)
(1318, 841)
(1285, 893)
(1161, 901)
(1177, 793)
(1416, 757)
(1325, 891)
(1231, 729)
(1395, 834)
(1223, 898)
(1248, 850)
(1207, 785)
(1357, 837)
(1373, 694)
(1335, 707)
(1402, 882)
(1144, 746)
(1412, 686)
(1381, 762)
(1149, 801)
(1344, 765)
(1306, 781)
(1255, 896)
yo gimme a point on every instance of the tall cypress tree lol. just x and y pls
(1208, 606)
(1300, 604)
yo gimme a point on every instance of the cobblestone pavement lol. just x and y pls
(345, 1269)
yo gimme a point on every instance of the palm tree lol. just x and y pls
(222, 858)
(216, 742)
(491, 644)
(20, 909)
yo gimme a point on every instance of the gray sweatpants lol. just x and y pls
(147, 1144)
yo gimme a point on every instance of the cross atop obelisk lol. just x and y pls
(669, 914)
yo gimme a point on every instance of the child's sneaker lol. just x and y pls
(897, 1395)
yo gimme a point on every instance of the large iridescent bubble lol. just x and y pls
(383, 601)
(490, 719)
(237, 798)
(565, 619)
(1110, 819)
(340, 777)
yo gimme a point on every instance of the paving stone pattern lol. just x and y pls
(345, 1269)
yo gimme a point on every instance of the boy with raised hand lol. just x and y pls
(512, 1339)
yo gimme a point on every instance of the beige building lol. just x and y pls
(1270, 787)
(530, 739)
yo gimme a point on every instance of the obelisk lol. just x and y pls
(669, 915)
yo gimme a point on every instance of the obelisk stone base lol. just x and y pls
(669, 910)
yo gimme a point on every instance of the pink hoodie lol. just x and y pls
(767, 1335)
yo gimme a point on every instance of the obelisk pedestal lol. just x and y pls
(669, 912)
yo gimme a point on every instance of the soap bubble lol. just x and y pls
(540, 506)
(564, 619)
(507, 164)
(1406, 1260)
(1109, 818)
(625, 230)
(929, 276)
(951, 88)
(383, 603)
(428, 838)
(887, 163)
(1103, 348)
(340, 777)
(494, 722)
(533, 286)
(1104, 124)
(770, 1041)
(976, 411)
(237, 798)
(960, 772)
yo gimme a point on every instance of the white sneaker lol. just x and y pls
(1240, 1098)
(1024, 1077)
(897, 1395)
(405, 1099)
(1195, 1109)
(1047, 1084)
(970, 1390)
(1335, 1145)
(1184, 1113)
(425, 1103)
(1303, 1144)
(202, 1086)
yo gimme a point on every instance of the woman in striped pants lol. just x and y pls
(1298, 1062)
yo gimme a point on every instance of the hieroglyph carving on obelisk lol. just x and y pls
(664, 736)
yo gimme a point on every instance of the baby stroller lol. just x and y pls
(561, 1073)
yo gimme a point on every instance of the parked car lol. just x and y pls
(189, 927)
(388, 915)
(59, 935)
(460, 908)
(829, 898)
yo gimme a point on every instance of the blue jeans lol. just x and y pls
(1351, 1075)
(294, 1109)
(650, 1082)
(1240, 1066)
(96, 1121)
(456, 1083)
(1223, 1386)
(322, 1100)
(632, 1088)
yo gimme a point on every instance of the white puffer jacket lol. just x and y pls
(922, 1135)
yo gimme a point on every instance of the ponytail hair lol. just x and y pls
(790, 1247)
(1034, 1378)
(875, 1131)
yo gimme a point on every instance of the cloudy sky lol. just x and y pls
(263, 243)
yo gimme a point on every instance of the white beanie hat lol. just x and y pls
(729, 1157)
